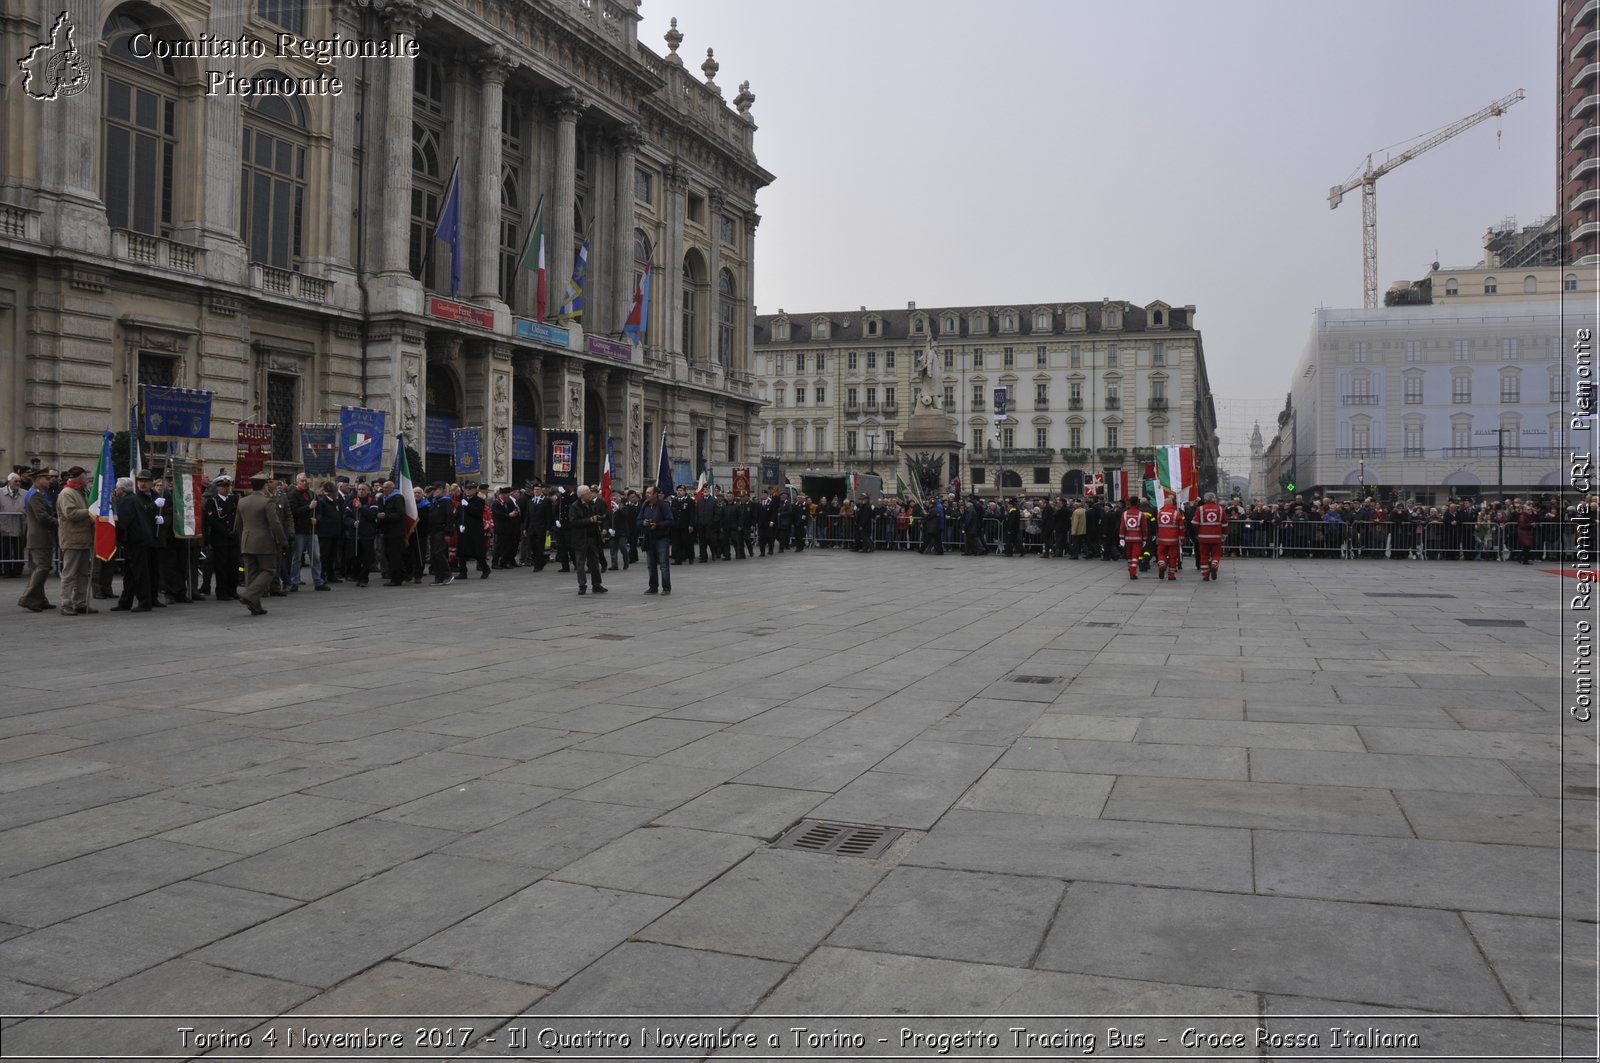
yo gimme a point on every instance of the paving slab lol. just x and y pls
(1547, 966)
(329, 940)
(1509, 819)
(1039, 793)
(554, 834)
(323, 863)
(1399, 957)
(1126, 758)
(410, 779)
(1435, 874)
(668, 861)
(737, 808)
(891, 799)
(650, 979)
(1362, 1030)
(774, 904)
(49, 894)
(256, 828)
(542, 935)
(1101, 850)
(79, 833)
(1219, 803)
(1384, 771)
(1252, 735)
(472, 806)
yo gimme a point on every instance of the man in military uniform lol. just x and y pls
(220, 526)
(261, 538)
(507, 512)
(441, 518)
(469, 531)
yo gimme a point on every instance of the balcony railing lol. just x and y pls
(1077, 455)
(949, 404)
(1113, 403)
(1113, 455)
(156, 251)
(1361, 452)
(1041, 405)
(19, 223)
(289, 284)
(891, 407)
(1158, 405)
(1074, 404)
(1144, 453)
(852, 409)
(977, 405)
(1363, 400)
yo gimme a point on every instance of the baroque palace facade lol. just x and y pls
(1092, 387)
(163, 226)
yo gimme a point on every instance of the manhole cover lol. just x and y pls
(1402, 594)
(611, 638)
(1584, 791)
(840, 839)
(1493, 623)
(1033, 679)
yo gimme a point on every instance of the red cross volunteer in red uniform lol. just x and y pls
(1211, 525)
(1169, 533)
(1133, 526)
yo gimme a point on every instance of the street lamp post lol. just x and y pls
(872, 453)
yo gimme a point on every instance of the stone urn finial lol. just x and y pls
(744, 99)
(673, 39)
(710, 68)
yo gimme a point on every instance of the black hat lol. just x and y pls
(76, 471)
(436, 485)
(470, 485)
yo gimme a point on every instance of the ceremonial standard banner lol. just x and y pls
(561, 466)
(683, 473)
(316, 448)
(187, 491)
(741, 479)
(360, 448)
(524, 442)
(769, 473)
(254, 451)
(176, 413)
(469, 461)
(437, 429)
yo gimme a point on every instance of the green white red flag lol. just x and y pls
(1175, 472)
(100, 503)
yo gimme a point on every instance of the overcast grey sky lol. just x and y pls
(1026, 151)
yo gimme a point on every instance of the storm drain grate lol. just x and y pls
(1404, 594)
(1033, 679)
(611, 638)
(1492, 623)
(839, 839)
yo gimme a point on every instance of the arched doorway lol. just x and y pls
(524, 433)
(443, 417)
(594, 435)
(1072, 483)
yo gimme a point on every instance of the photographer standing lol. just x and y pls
(585, 520)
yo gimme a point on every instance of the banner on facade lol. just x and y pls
(437, 439)
(466, 444)
(360, 448)
(561, 459)
(608, 348)
(254, 451)
(316, 448)
(741, 479)
(554, 335)
(771, 475)
(175, 413)
(524, 442)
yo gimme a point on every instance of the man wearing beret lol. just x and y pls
(261, 538)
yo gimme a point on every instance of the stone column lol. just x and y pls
(493, 69)
(714, 204)
(672, 265)
(568, 105)
(337, 258)
(741, 357)
(403, 17)
(628, 141)
(70, 156)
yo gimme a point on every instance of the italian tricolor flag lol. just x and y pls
(402, 483)
(1175, 472)
(533, 258)
(187, 492)
(100, 503)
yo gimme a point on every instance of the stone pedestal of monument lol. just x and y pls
(931, 446)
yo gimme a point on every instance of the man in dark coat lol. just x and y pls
(441, 522)
(328, 511)
(507, 513)
(708, 524)
(220, 526)
(585, 519)
(469, 531)
(391, 517)
(136, 534)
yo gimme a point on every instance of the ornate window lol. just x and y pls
(272, 187)
(727, 313)
(1452, 287)
(1530, 285)
(1510, 386)
(511, 197)
(140, 128)
(290, 14)
(427, 166)
(1490, 286)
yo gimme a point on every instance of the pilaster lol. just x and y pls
(568, 105)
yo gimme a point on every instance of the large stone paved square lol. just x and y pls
(1307, 789)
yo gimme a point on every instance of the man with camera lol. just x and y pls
(585, 520)
(655, 528)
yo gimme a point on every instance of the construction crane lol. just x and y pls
(1368, 183)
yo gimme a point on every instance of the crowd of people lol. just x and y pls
(279, 536)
